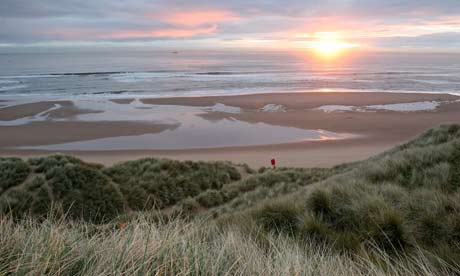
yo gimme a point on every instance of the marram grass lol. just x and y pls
(145, 247)
(397, 213)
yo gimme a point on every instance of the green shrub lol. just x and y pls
(454, 172)
(312, 227)
(47, 164)
(16, 201)
(189, 206)
(13, 171)
(270, 184)
(35, 183)
(86, 193)
(248, 169)
(170, 181)
(138, 199)
(210, 198)
(388, 231)
(41, 203)
(431, 229)
(278, 217)
(453, 224)
(346, 216)
(320, 203)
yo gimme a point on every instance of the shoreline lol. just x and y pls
(377, 130)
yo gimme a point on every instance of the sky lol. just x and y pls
(415, 25)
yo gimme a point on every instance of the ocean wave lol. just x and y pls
(83, 74)
(209, 80)
(436, 82)
(12, 87)
(88, 73)
(217, 73)
(244, 72)
(31, 76)
(142, 76)
(8, 81)
(118, 92)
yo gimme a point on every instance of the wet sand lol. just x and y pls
(15, 112)
(303, 100)
(377, 131)
(67, 109)
(47, 133)
(122, 101)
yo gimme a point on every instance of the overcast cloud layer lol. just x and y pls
(413, 24)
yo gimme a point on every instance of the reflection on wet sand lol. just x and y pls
(191, 130)
(200, 133)
(249, 128)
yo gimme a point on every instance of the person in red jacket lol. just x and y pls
(273, 161)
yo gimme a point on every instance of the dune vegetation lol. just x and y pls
(397, 213)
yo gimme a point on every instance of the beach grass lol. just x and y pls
(145, 247)
(397, 213)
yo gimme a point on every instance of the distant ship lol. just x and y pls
(175, 52)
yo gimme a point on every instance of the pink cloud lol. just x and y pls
(184, 32)
(185, 24)
(447, 21)
(196, 18)
(365, 31)
(169, 32)
(346, 26)
(83, 33)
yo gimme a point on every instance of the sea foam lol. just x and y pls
(398, 107)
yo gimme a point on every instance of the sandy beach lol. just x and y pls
(375, 121)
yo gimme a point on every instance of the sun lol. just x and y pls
(329, 45)
(329, 48)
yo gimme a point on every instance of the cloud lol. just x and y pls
(162, 33)
(101, 34)
(448, 40)
(184, 32)
(369, 21)
(196, 18)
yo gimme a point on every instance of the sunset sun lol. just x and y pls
(329, 45)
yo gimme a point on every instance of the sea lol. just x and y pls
(164, 73)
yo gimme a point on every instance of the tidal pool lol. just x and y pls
(201, 133)
(188, 129)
